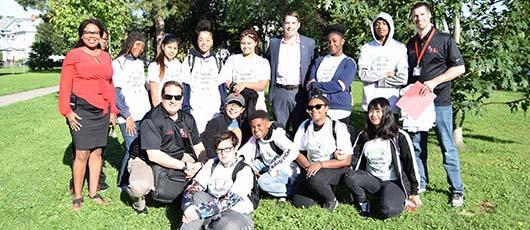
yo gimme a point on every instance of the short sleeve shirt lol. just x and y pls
(320, 144)
(440, 55)
(158, 131)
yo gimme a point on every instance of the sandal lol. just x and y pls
(77, 203)
(98, 199)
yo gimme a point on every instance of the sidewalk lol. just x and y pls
(13, 98)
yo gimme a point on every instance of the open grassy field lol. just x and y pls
(20, 82)
(35, 152)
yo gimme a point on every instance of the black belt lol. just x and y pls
(287, 87)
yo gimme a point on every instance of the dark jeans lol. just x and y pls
(318, 188)
(389, 193)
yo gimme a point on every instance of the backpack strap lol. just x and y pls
(333, 125)
(191, 62)
(219, 64)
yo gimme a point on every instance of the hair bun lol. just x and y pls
(336, 28)
(204, 25)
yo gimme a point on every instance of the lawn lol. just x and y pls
(34, 176)
(21, 82)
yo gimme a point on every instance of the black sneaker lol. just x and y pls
(365, 209)
(142, 212)
(331, 206)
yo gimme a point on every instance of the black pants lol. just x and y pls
(389, 193)
(318, 188)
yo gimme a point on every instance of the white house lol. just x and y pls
(16, 36)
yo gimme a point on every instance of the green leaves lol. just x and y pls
(66, 15)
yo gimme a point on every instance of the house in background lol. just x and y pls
(16, 36)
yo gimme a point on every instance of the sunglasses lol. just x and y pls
(224, 150)
(169, 97)
(317, 106)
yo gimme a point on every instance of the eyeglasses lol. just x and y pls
(317, 106)
(224, 150)
(87, 32)
(170, 97)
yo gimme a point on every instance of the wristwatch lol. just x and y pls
(185, 166)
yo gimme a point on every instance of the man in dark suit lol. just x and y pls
(289, 57)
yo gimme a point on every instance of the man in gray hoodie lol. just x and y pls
(383, 66)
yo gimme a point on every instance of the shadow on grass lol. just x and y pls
(488, 139)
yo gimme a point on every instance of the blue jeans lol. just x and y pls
(451, 162)
(281, 185)
(127, 140)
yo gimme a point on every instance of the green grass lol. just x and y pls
(21, 82)
(35, 172)
(7, 70)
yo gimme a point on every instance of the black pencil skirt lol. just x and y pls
(95, 126)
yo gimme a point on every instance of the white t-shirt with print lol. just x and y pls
(129, 76)
(173, 72)
(204, 81)
(320, 145)
(379, 159)
(328, 67)
(220, 181)
(247, 69)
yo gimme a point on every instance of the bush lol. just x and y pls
(39, 56)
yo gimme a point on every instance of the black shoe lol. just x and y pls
(143, 211)
(103, 186)
(331, 206)
(365, 209)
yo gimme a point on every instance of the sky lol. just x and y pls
(10, 8)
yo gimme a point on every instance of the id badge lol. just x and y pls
(417, 71)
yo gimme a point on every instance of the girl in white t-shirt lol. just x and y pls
(166, 68)
(248, 71)
(385, 165)
(207, 88)
(131, 95)
(318, 139)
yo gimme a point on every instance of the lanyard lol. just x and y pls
(420, 55)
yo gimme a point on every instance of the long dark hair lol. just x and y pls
(388, 128)
(168, 38)
(129, 43)
(81, 28)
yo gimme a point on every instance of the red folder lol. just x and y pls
(413, 103)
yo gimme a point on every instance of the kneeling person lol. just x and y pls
(219, 196)
(271, 155)
(161, 149)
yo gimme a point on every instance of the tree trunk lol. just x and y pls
(458, 29)
(458, 136)
(159, 31)
(458, 133)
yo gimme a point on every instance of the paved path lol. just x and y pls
(10, 99)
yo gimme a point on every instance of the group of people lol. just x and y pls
(198, 131)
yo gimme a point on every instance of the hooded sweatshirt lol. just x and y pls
(376, 60)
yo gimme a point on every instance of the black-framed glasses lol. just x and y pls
(169, 97)
(224, 150)
(317, 106)
(88, 32)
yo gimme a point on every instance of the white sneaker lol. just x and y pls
(422, 190)
(457, 200)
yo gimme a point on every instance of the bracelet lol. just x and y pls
(321, 165)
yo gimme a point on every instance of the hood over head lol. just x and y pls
(388, 20)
